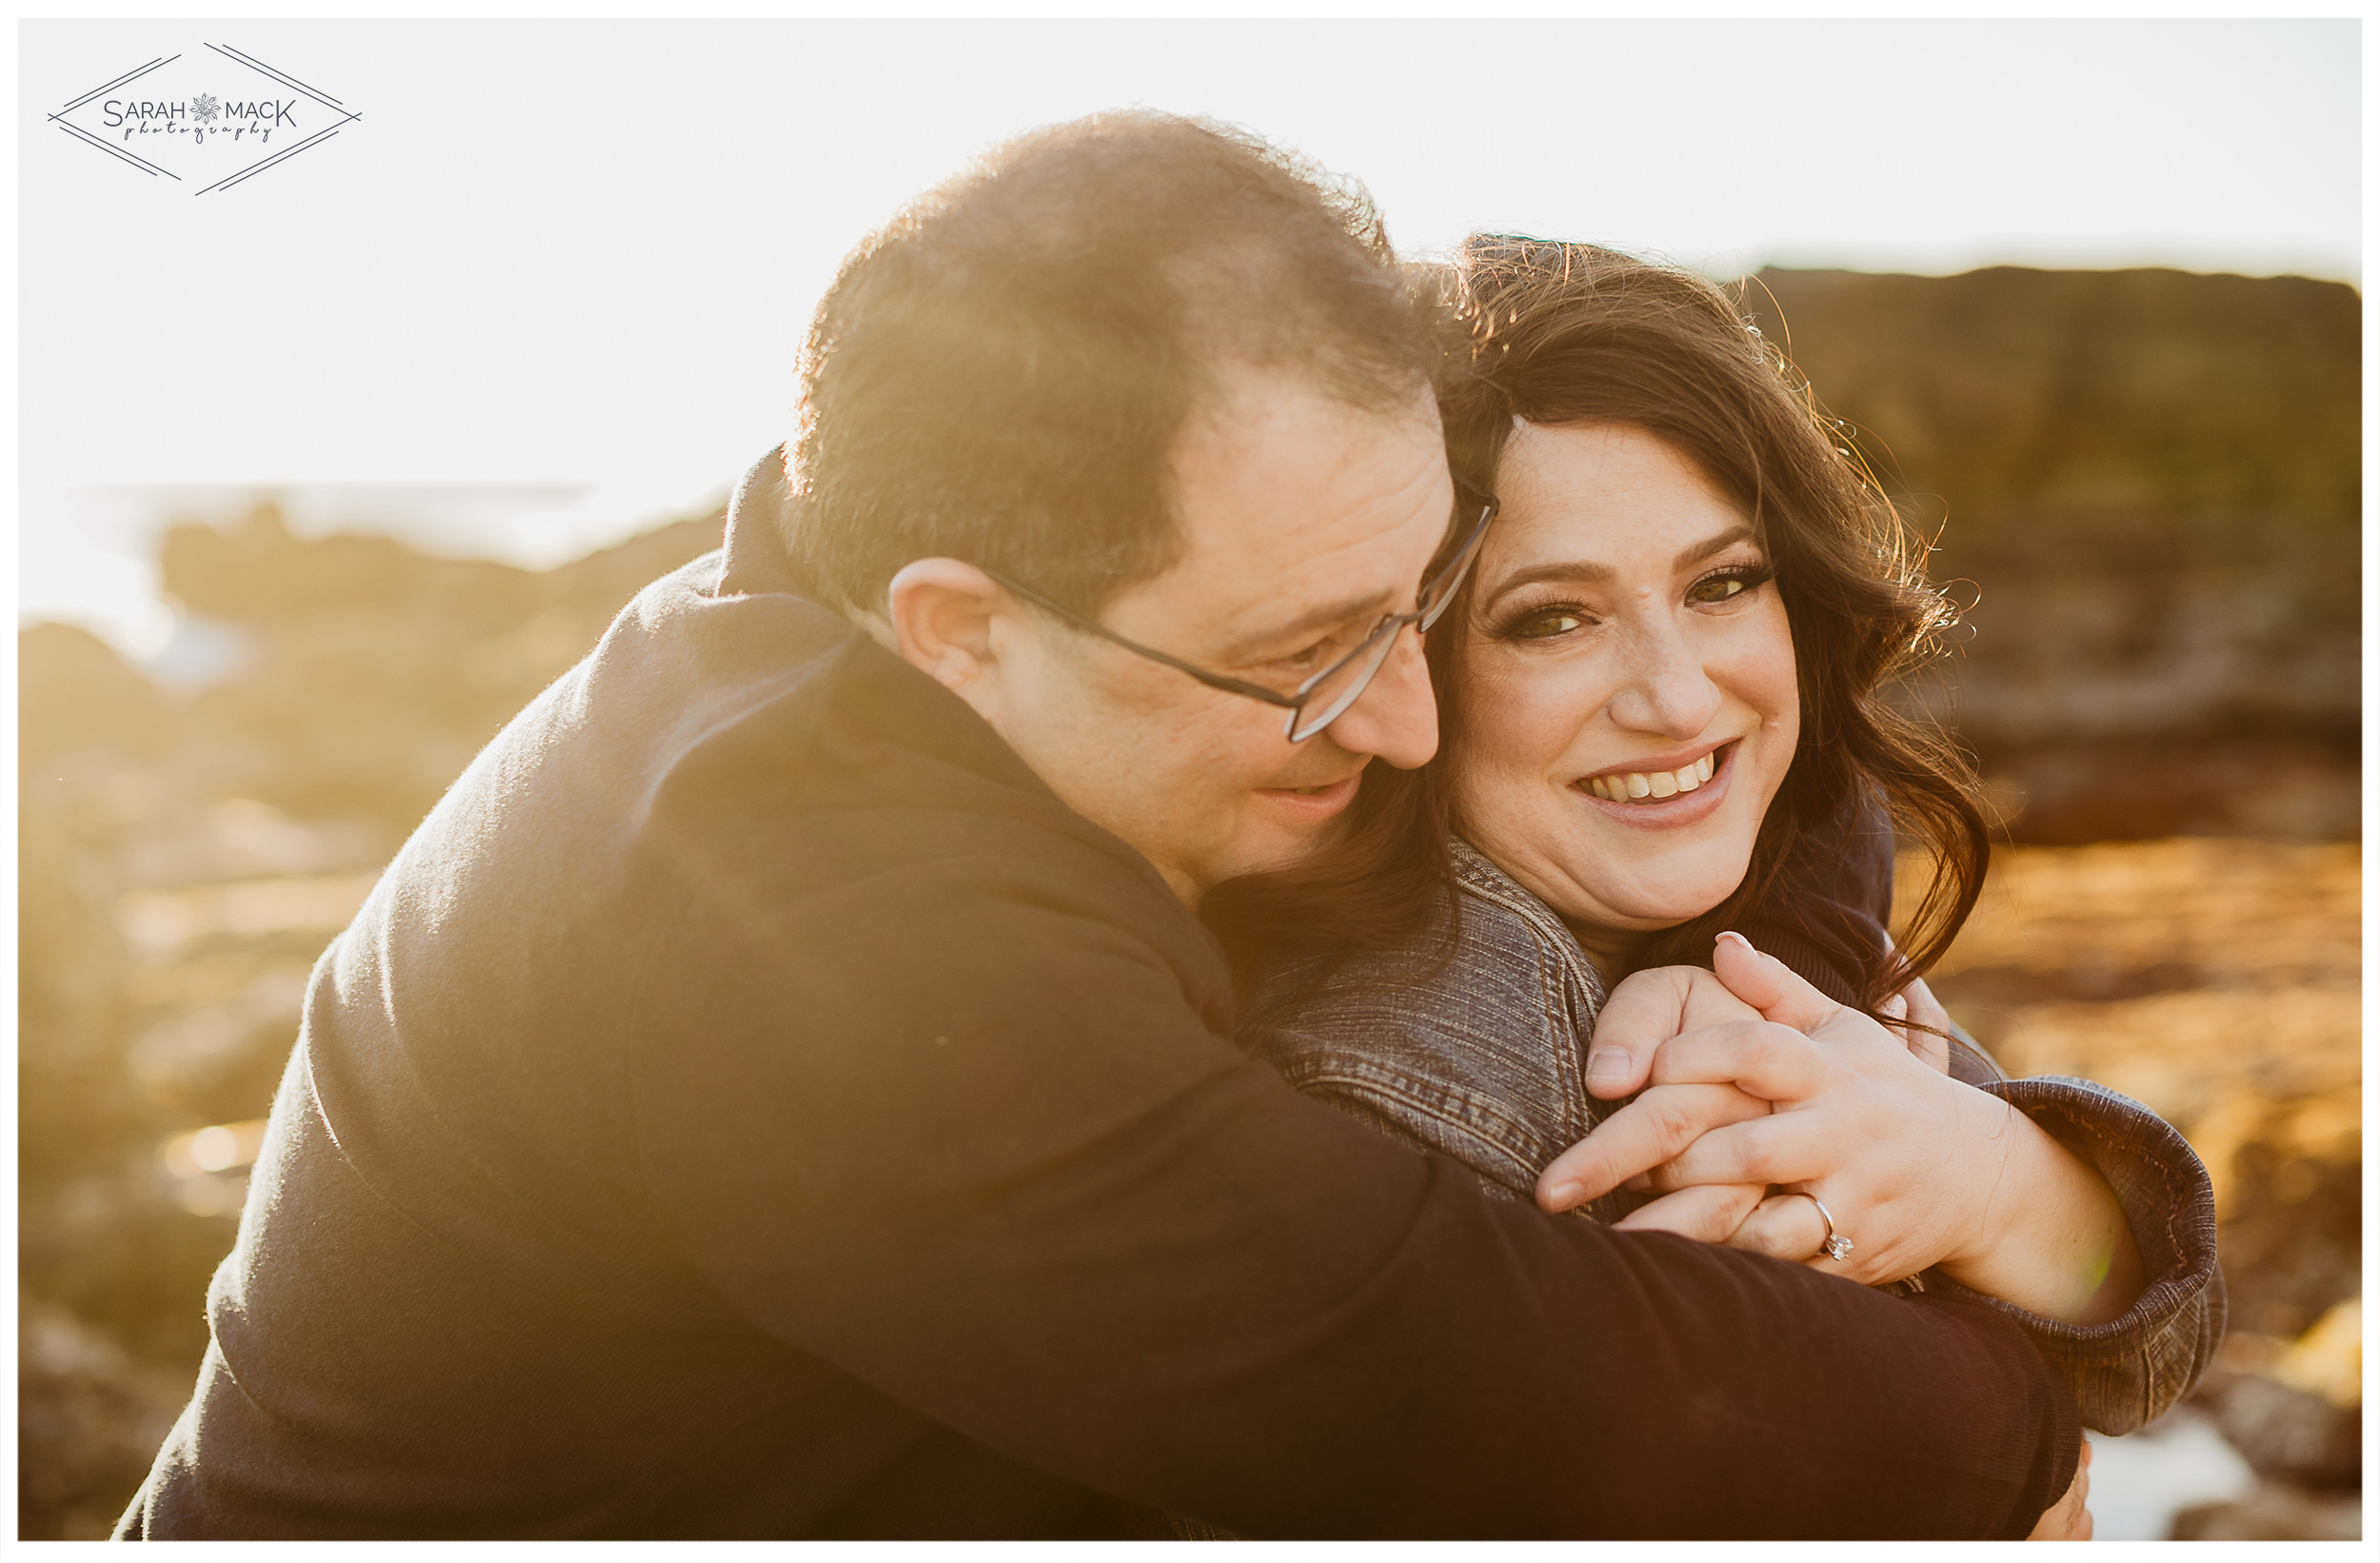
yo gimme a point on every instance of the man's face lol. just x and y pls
(1303, 522)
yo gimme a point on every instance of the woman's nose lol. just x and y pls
(1667, 691)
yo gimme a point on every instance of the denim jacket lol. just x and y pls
(1483, 1057)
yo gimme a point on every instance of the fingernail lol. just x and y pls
(1606, 1067)
(1740, 939)
(1563, 1195)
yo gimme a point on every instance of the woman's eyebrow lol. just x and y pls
(1589, 574)
(1720, 545)
(1565, 569)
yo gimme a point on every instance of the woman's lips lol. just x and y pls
(1640, 797)
(1318, 803)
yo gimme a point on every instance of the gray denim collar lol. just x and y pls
(1479, 877)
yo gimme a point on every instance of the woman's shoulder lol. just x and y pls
(1490, 949)
(1477, 1021)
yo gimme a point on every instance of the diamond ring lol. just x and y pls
(1836, 1248)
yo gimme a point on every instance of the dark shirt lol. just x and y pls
(753, 1105)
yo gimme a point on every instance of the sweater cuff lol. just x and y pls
(2162, 1188)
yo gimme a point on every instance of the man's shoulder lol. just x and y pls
(753, 748)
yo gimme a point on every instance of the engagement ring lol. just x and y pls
(1836, 1248)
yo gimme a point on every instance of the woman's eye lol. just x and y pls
(1718, 589)
(1546, 625)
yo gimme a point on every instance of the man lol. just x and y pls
(785, 1089)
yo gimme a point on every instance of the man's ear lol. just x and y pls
(941, 612)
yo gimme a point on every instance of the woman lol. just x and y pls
(1663, 723)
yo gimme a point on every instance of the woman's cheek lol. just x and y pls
(1512, 720)
(1758, 668)
(1783, 708)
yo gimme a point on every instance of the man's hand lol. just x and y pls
(2068, 1519)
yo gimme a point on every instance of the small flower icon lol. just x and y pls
(203, 108)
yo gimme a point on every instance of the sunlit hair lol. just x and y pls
(1551, 334)
(1000, 375)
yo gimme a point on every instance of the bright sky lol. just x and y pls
(581, 254)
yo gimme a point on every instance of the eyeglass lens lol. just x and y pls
(1338, 688)
(1328, 697)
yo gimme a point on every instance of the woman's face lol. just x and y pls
(1629, 704)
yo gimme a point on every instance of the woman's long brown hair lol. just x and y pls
(1556, 333)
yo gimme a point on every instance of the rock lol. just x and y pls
(90, 1420)
(2327, 1360)
(2276, 1512)
(74, 691)
(2220, 982)
(2293, 1410)
(2150, 483)
(2288, 1434)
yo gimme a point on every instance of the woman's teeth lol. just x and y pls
(1636, 787)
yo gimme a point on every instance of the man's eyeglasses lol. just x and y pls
(1324, 698)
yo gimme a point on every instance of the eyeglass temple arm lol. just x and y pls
(1213, 681)
(1216, 680)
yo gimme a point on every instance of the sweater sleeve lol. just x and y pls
(1838, 899)
(2130, 1369)
(1010, 1179)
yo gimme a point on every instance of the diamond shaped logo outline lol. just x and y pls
(208, 112)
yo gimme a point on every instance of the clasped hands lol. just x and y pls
(1754, 1081)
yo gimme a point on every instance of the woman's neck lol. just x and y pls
(1609, 951)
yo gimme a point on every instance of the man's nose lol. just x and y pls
(1396, 717)
(1667, 691)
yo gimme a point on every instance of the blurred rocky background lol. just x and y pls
(2149, 484)
(2149, 479)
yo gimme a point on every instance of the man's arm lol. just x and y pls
(1010, 1179)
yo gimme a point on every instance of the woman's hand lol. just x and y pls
(1928, 1035)
(1917, 1169)
(1645, 1009)
(1651, 1005)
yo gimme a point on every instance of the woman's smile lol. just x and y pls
(1660, 794)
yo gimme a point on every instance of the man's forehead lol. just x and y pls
(1277, 468)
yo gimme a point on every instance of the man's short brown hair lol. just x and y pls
(1001, 373)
